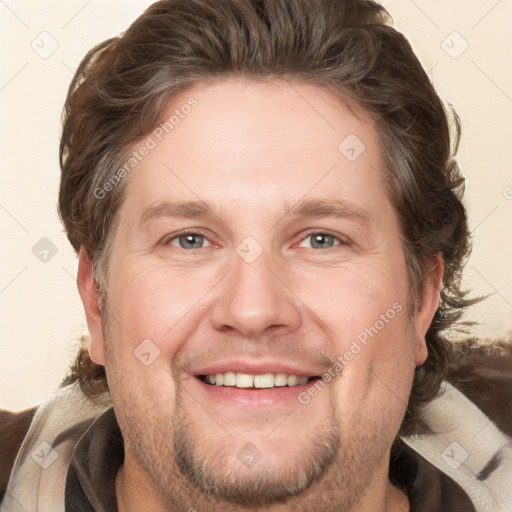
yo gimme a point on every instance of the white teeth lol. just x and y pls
(230, 379)
(292, 380)
(243, 380)
(280, 379)
(266, 380)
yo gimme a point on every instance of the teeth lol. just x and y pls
(243, 380)
(230, 379)
(292, 380)
(280, 379)
(266, 380)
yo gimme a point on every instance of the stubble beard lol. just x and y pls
(222, 474)
(187, 467)
(184, 466)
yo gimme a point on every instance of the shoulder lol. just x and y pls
(482, 370)
(427, 487)
(469, 433)
(13, 428)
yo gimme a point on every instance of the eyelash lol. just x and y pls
(341, 242)
(167, 241)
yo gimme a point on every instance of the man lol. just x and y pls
(268, 218)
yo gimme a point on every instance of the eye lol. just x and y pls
(189, 241)
(321, 240)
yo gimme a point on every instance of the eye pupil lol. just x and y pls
(191, 241)
(322, 240)
(195, 241)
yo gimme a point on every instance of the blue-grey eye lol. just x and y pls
(322, 240)
(190, 241)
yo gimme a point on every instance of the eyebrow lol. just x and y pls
(189, 209)
(337, 208)
(307, 208)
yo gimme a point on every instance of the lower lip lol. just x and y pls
(254, 398)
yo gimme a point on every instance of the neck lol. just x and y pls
(134, 492)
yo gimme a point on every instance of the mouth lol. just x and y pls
(256, 381)
(254, 385)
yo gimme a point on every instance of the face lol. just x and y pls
(259, 340)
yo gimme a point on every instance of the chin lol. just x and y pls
(254, 469)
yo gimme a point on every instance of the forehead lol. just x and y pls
(253, 144)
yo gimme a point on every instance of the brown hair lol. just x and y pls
(122, 85)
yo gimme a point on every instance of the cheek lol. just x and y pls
(354, 301)
(378, 371)
(364, 312)
(157, 302)
(143, 310)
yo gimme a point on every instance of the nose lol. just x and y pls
(255, 299)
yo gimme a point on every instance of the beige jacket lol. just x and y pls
(466, 446)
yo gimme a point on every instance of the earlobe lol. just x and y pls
(89, 293)
(428, 304)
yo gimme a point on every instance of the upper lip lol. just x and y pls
(257, 368)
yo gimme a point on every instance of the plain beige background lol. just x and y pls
(464, 44)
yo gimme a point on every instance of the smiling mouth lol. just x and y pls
(260, 381)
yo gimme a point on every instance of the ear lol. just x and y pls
(89, 293)
(428, 304)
